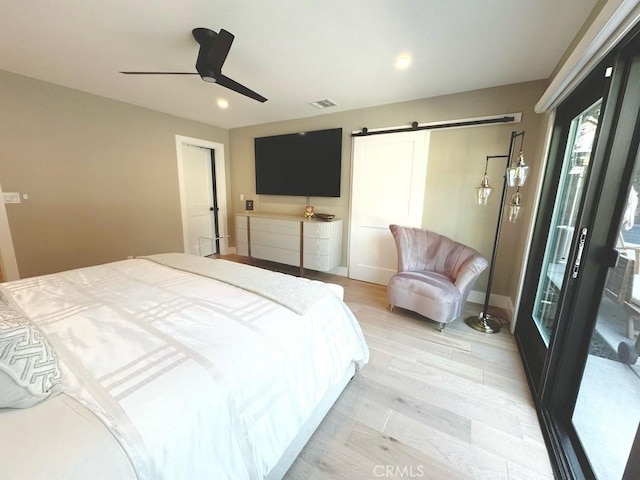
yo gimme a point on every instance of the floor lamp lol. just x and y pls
(515, 175)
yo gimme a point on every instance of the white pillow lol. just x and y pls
(29, 371)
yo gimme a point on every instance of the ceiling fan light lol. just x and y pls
(208, 79)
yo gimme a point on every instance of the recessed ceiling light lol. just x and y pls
(222, 103)
(402, 61)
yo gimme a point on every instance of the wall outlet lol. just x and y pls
(11, 197)
(248, 205)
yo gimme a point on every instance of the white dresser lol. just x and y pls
(289, 239)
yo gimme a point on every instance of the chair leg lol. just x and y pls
(631, 326)
(441, 327)
(391, 308)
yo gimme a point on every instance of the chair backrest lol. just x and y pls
(619, 284)
(423, 250)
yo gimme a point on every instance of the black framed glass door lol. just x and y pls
(549, 277)
(607, 409)
(578, 321)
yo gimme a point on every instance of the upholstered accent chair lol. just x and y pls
(435, 274)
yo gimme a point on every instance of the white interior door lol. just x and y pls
(220, 188)
(198, 194)
(388, 182)
(8, 261)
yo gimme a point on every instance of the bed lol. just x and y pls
(171, 366)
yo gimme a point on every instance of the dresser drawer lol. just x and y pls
(320, 263)
(242, 248)
(317, 229)
(242, 235)
(289, 227)
(317, 246)
(288, 257)
(277, 240)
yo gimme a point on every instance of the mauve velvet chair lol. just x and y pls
(435, 274)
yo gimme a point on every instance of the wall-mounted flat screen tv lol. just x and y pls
(306, 164)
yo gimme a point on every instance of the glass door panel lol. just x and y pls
(575, 167)
(607, 411)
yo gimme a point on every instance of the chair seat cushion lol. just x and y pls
(429, 293)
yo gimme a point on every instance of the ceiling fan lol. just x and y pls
(214, 48)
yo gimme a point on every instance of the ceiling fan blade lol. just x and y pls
(236, 87)
(160, 73)
(218, 50)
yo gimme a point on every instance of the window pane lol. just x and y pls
(575, 167)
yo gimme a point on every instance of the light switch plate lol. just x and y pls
(11, 197)
(248, 205)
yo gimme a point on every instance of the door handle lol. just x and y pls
(576, 263)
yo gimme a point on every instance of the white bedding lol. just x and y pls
(194, 377)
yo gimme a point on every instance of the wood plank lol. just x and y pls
(402, 402)
(519, 452)
(394, 458)
(452, 452)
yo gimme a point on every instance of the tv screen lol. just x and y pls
(306, 164)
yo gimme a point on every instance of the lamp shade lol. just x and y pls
(483, 192)
(518, 172)
(515, 207)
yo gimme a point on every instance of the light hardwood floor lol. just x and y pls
(452, 405)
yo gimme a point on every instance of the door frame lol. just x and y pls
(220, 188)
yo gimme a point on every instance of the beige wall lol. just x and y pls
(456, 163)
(101, 175)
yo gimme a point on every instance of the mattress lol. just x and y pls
(171, 374)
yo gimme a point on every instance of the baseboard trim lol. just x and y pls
(340, 271)
(499, 301)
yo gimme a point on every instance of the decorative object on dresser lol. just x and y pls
(290, 239)
(435, 274)
(327, 217)
(308, 212)
(515, 176)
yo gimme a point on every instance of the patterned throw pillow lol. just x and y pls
(29, 371)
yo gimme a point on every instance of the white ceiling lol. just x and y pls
(291, 51)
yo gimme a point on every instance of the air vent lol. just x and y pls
(326, 103)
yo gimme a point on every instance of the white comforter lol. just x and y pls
(195, 378)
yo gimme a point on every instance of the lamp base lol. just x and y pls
(484, 323)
